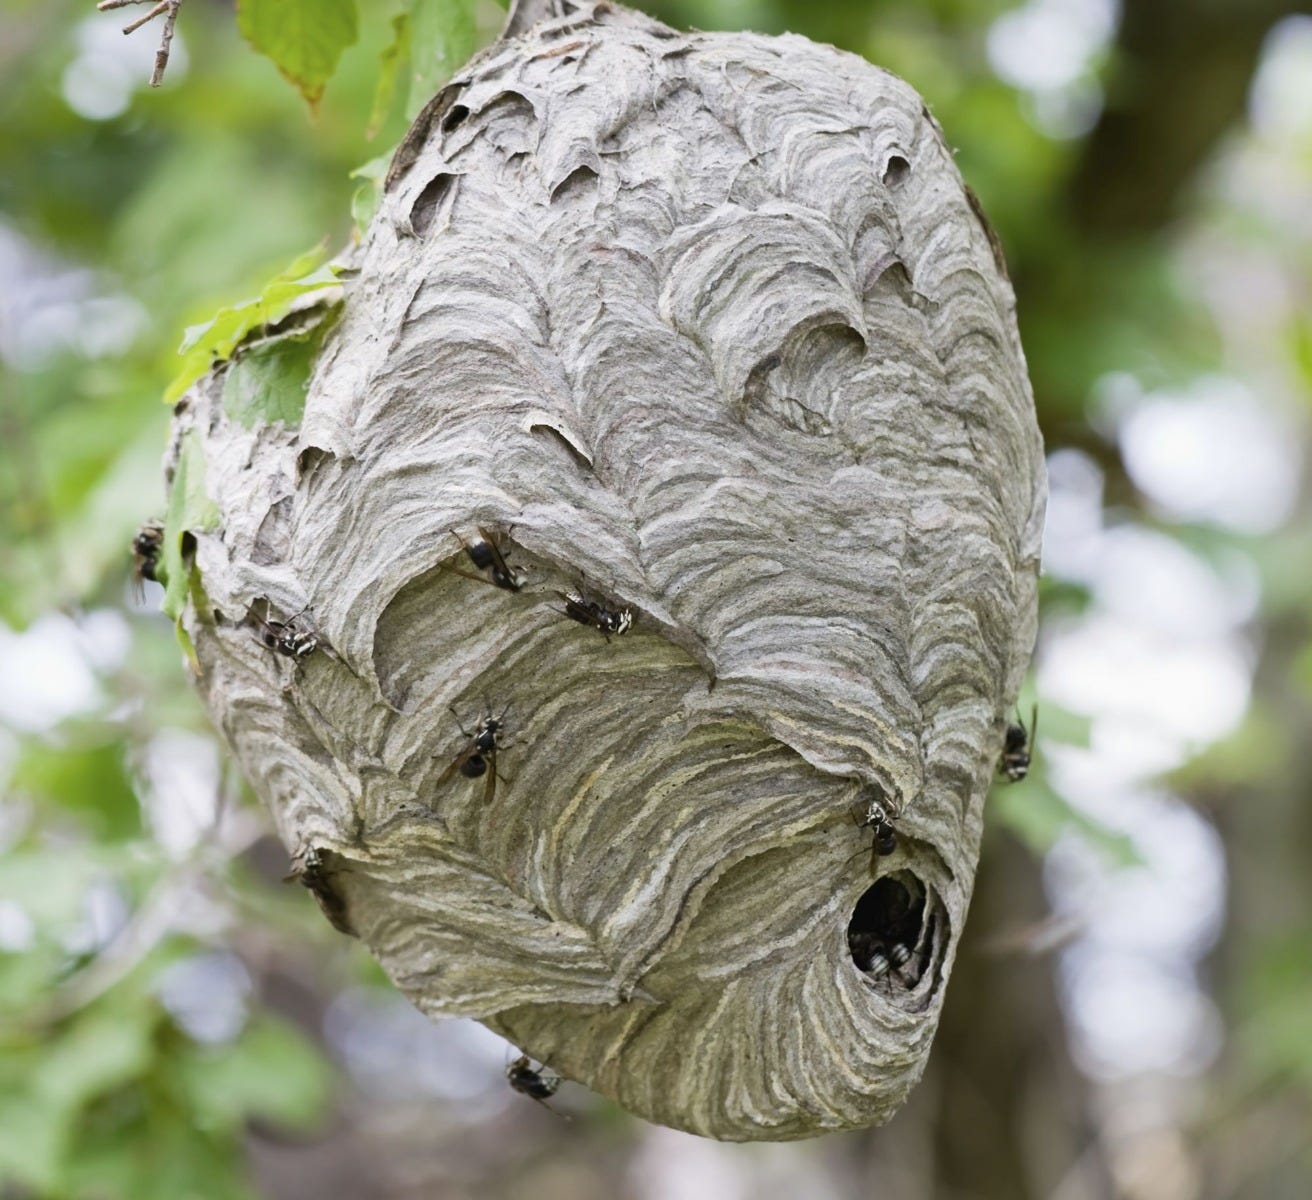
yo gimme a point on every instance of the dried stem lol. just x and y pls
(150, 16)
(169, 10)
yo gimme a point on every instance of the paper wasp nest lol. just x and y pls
(706, 328)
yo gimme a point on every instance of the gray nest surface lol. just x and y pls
(705, 328)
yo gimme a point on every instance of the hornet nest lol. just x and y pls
(698, 340)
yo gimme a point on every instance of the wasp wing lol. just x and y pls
(467, 574)
(494, 548)
(452, 767)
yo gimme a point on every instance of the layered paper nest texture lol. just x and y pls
(707, 327)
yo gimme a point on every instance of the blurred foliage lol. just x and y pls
(304, 38)
(214, 340)
(128, 217)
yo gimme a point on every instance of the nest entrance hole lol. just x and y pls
(888, 935)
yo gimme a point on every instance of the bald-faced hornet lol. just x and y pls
(314, 873)
(886, 927)
(285, 637)
(891, 958)
(485, 553)
(535, 1082)
(147, 546)
(865, 947)
(606, 621)
(479, 757)
(878, 821)
(875, 957)
(1015, 761)
(879, 965)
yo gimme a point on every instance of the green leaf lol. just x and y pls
(390, 62)
(51, 882)
(190, 510)
(203, 345)
(25, 979)
(33, 1137)
(141, 1146)
(443, 34)
(1300, 345)
(91, 781)
(305, 38)
(271, 1072)
(1301, 670)
(1039, 815)
(268, 382)
(364, 203)
(105, 1048)
(1276, 1031)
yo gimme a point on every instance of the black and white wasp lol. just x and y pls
(1017, 747)
(607, 621)
(478, 759)
(286, 637)
(537, 1083)
(899, 956)
(880, 824)
(877, 959)
(486, 555)
(147, 546)
(313, 870)
(887, 926)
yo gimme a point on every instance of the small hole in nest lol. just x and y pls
(455, 117)
(581, 458)
(884, 935)
(426, 203)
(578, 180)
(309, 459)
(896, 170)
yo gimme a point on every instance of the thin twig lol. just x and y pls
(162, 54)
(169, 10)
(150, 16)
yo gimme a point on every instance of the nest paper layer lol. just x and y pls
(709, 326)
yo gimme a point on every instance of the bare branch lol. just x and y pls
(150, 16)
(162, 54)
(169, 10)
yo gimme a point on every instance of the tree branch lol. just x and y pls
(169, 10)
(1181, 81)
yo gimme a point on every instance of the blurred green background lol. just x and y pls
(1131, 1013)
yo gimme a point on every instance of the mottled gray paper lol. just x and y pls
(709, 325)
